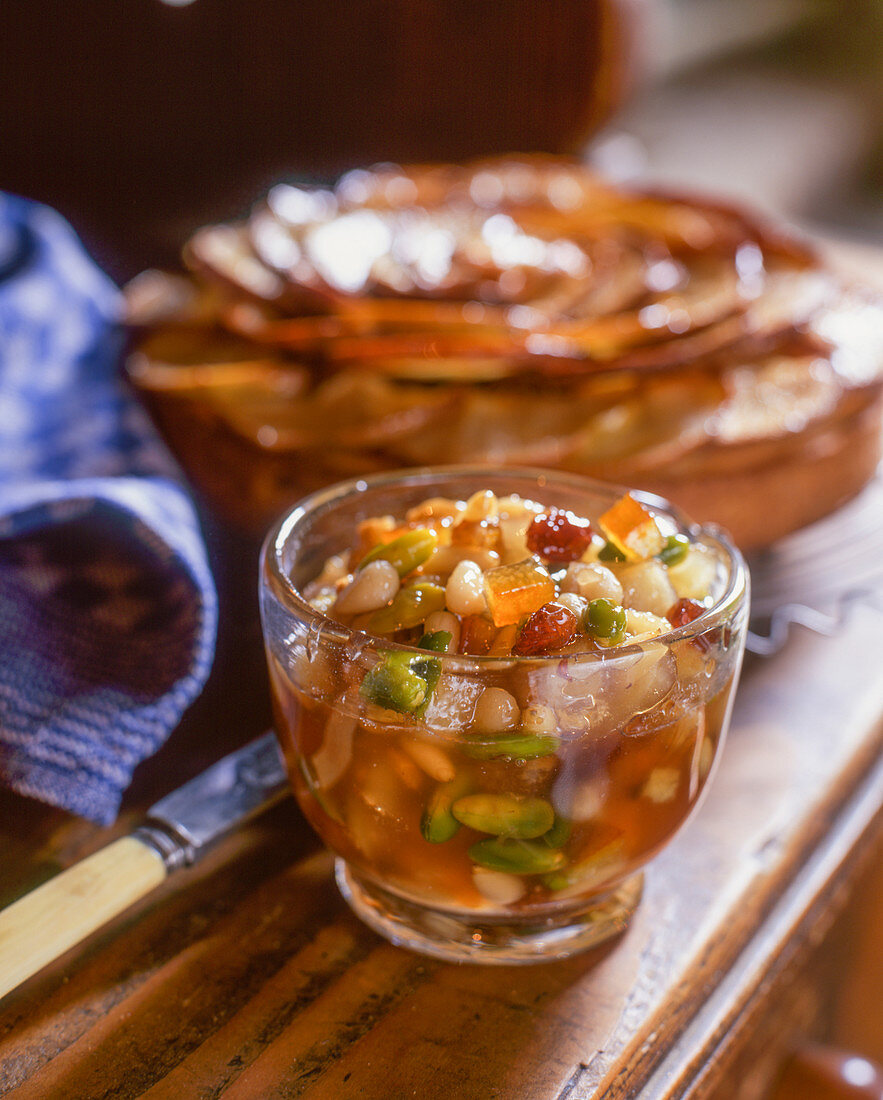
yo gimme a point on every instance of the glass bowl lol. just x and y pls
(629, 739)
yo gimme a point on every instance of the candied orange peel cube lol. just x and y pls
(632, 529)
(516, 591)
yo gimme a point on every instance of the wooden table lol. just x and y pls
(247, 976)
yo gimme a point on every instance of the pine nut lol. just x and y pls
(464, 592)
(662, 785)
(498, 886)
(495, 711)
(334, 756)
(644, 625)
(406, 770)
(430, 759)
(593, 581)
(372, 587)
(481, 505)
(573, 602)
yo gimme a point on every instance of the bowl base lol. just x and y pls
(501, 941)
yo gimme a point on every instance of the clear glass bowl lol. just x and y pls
(636, 731)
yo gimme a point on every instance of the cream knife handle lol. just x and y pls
(42, 925)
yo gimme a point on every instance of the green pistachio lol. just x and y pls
(675, 550)
(605, 619)
(438, 824)
(559, 834)
(610, 552)
(505, 815)
(520, 857)
(410, 607)
(519, 746)
(406, 552)
(394, 684)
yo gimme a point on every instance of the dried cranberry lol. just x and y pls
(557, 535)
(547, 630)
(683, 612)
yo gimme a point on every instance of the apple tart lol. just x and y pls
(516, 311)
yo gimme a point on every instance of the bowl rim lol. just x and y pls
(272, 574)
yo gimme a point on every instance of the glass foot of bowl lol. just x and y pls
(503, 941)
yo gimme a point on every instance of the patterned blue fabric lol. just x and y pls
(108, 610)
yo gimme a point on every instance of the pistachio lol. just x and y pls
(598, 867)
(438, 824)
(519, 746)
(437, 641)
(520, 857)
(430, 759)
(406, 552)
(559, 834)
(675, 550)
(505, 815)
(610, 552)
(393, 684)
(605, 619)
(410, 607)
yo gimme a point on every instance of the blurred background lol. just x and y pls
(141, 121)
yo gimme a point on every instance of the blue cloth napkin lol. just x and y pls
(108, 611)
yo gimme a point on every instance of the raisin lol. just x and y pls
(557, 535)
(547, 630)
(477, 635)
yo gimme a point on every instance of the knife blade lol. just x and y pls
(224, 796)
(42, 925)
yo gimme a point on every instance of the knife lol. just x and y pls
(54, 917)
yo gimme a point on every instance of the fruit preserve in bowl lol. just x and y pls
(498, 696)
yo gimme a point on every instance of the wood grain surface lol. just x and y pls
(246, 975)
